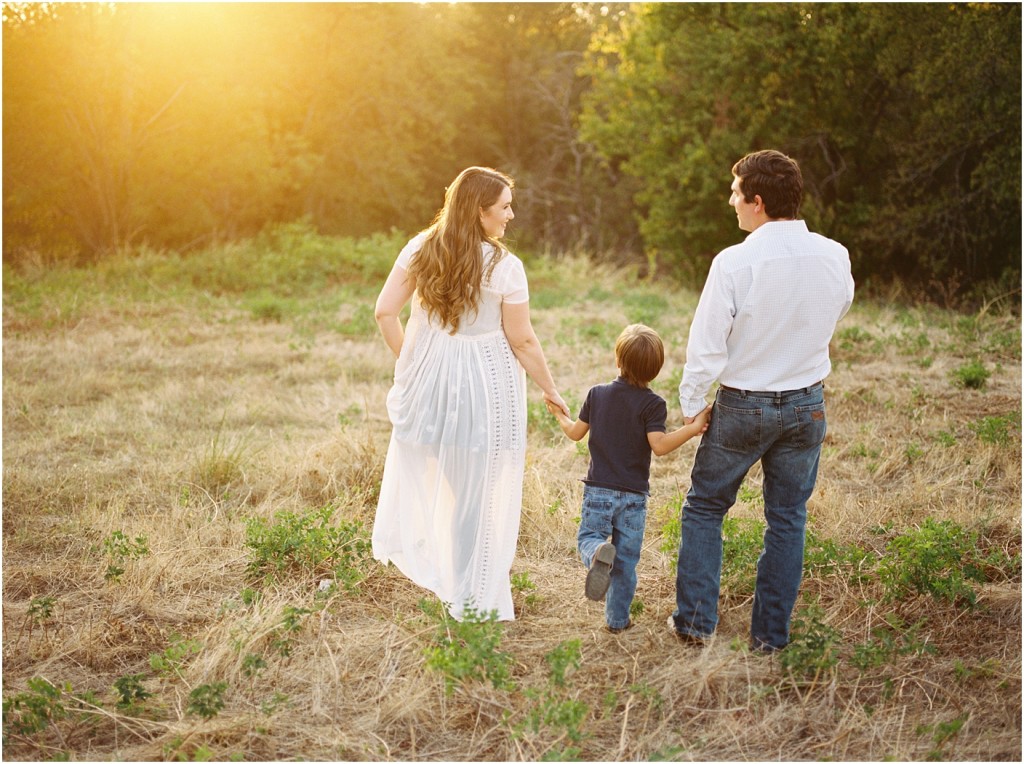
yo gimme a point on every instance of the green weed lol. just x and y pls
(292, 619)
(742, 541)
(522, 584)
(467, 650)
(271, 308)
(120, 549)
(826, 557)
(813, 650)
(554, 715)
(29, 712)
(563, 658)
(222, 463)
(130, 691)
(997, 430)
(40, 613)
(971, 375)
(750, 495)
(913, 452)
(983, 670)
(542, 421)
(252, 665)
(584, 330)
(309, 544)
(176, 656)
(207, 700)
(939, 558)
(942, 733)
(40, 609)
(889, 642)
(671, 528)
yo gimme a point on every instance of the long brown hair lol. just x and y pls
(449, 267)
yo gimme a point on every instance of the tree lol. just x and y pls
(852, 92)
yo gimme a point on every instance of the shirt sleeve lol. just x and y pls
(410, 249)
(707, 351)
(585, 409)
(656, 415)
(514, 288)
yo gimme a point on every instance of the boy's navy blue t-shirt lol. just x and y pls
(620, 415)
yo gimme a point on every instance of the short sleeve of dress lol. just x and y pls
(510, 280)
(410, 249)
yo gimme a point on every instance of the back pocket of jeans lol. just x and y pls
(811, 420)
(737, 429)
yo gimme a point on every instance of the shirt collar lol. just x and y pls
(779, 227)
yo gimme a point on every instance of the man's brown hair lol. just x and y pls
(776, 178)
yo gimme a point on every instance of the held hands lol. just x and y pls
(555, 410)
(573, 430)
(556, 405)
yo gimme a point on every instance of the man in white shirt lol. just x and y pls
(762, 328)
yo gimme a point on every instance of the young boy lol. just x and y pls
(626, 422)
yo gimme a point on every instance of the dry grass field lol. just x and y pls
(191, 453)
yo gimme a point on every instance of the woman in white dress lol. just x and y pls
(451, 496)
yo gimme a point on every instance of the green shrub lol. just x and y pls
(554, 714)
(29, 712)
(207, 700)
(120, 549)
(971, 375)
(130, 690)
(888, 642)
(825, 557)
(939, 558)
(814, 646)
(742, 541)
(174, 658)
(467, 650)
(308, 544)
(997, 430)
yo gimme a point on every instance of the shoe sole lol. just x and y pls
(599, 577)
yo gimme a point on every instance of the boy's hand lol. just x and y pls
(703, 419)
(555, 409)
(557, 401)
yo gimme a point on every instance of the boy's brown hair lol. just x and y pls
(640, 354)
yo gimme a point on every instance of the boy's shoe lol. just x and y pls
(613, 630)
(599, 577)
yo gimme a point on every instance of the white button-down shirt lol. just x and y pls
(766, 314)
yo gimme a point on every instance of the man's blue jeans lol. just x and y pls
(785, 432)
(621, 515)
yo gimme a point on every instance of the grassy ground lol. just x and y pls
(191, 454)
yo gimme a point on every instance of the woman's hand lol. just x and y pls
(556, 400)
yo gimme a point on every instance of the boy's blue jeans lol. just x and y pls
(622, 515)
(785, 432)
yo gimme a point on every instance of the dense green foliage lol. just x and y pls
(174, 126)
(905, 119)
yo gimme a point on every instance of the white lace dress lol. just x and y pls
(451, 496)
